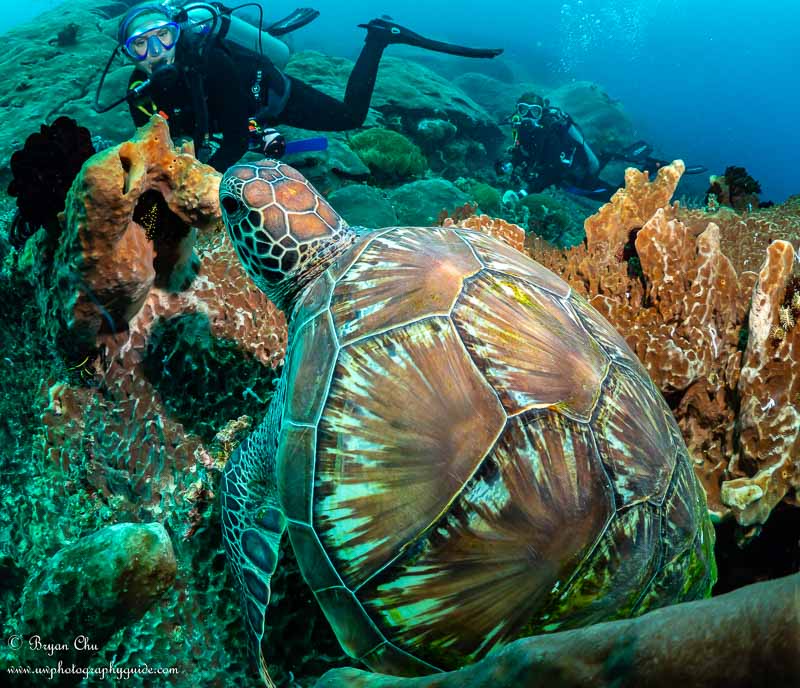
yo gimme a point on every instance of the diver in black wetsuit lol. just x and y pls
(549, 148)
(208, 91)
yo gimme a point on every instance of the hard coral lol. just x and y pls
(486, 196)
(744, 237)
(389, 155)
(683, 311)
(510, 233)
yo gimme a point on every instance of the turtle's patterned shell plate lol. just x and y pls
(471, 454)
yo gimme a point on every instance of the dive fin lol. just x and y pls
(639, 153)
(653, 164)
(296, 20)
(396, 34)
(638, 150)
(600, 193)
(695, 169)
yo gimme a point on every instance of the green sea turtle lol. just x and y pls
(463, 451)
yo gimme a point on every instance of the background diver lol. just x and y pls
(549, 149)
(212, 73)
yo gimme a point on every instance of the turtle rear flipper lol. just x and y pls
(252, 526)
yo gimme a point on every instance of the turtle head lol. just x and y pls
(283, 231)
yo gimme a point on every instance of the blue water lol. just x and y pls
(715, 83)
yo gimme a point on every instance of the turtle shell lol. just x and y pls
(471, 454)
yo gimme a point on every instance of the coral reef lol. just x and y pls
(668, 287)
(743, 639)
(328, 169)
(486, 196)
(130, 432)
(172, 355)
(744, 237)
(510, 233)
(407, 93)
(390, 156)
(68, 36)
(554, 218)
(497, 97)
(46, 80)
(128, 226)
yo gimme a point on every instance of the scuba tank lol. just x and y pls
(211, 22)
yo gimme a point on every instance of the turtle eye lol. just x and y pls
(231, 205)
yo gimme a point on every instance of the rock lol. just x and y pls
(363, 206)
(451, 66)
(433, 131)
(744, 639)
(420, 203)
(92, 588)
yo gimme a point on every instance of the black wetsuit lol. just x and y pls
(213, 95)
(554, 152)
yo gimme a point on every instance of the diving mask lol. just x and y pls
(532, 110)
(152, 40)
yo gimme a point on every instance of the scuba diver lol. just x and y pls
(550, 149)
(210, 73)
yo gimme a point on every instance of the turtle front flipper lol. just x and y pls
(253, 523)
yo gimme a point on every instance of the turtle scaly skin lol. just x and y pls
(282, 231)
(462, 450)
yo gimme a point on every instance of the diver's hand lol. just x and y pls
(164, 77)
